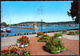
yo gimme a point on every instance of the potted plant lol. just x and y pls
(58, 35)
(77, 32)
(64, 31)
(4, 52)
(55, 46)
(23, 41)
(13, 50)
(44, 38)
(71, 33)
(39, 34)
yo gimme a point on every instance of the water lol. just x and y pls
(45, 28)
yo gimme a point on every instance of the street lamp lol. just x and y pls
(41, 25)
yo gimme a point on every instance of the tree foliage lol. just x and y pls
(3, 24)
(74, 10)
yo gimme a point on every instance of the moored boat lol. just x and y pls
(4, 30)
(8, 30)
(1, 30)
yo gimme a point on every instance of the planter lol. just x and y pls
(39, 36)
(26, 45)
(58, 50)
(18, 44)
(22, 45)
(59, 37)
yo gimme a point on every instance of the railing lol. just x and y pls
(17, 34)
(27, 33)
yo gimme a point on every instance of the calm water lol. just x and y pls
(45, 28)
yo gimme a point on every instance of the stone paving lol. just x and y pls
(71, 43)
(7, 41)
(37, 47)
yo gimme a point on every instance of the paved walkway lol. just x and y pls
(7, 41)
(72, 47)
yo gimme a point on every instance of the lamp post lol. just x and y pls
(41, 25)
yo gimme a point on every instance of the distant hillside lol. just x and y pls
(68, 22)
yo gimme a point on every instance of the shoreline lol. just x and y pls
(30, 33)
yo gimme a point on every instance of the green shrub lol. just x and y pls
(77, 32)
(64, 31)
(71, 33)
(13, 50)
(40, 33)
(44, 38)
(55, 45)
(57, 35)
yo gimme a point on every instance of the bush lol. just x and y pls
(77, 32)
(64, 31)
(13, 50)
(44, 38)
(55, 45)
(71, 33)
(40, 33)
(58, 35)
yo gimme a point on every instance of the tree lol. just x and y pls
(74, 11)
(3, 24)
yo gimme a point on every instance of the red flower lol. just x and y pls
(59, 43)
(25, 36)
(7, 50)
(22, 42)
(10, 50)
(56, 45)
(17, 39)
(55, 42)
(20, 53)
(25, 40)
(52, 40)
(15, 51)
(22, 36)
(4, 51)
(22, 39)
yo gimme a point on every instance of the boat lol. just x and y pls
(1, 30)
(8, 30)
(4, 30)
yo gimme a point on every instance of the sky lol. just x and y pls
(13, 12)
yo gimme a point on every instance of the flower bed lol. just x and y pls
(23, 41)
(54, 46)
(57, 35)
(64, 31)
(77, 32)
(71, 33)
(44, 38)
(13, 50)
(40, 34)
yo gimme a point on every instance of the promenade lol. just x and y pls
(71, 43)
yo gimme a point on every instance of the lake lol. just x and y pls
(45, 28)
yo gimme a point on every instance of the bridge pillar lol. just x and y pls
(15, 34)
(19, 33)
(24, 33)
(3, 35)
(7, 34)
